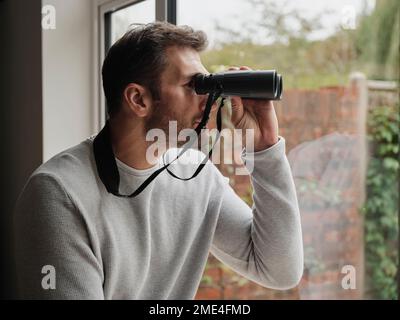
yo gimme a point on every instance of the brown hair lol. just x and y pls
(139, 57)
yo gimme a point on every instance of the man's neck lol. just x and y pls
(129, 144)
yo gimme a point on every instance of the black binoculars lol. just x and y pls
(259, 84)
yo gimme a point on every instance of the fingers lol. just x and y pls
(239, 68)
(236, 102)
(245, 68)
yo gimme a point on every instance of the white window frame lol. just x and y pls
(99, 9)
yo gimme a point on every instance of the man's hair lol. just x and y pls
(140, 57)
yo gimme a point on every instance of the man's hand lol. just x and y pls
(258, 115)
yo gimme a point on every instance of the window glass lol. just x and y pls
(121, 20)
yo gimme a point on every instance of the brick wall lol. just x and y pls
(324, 132)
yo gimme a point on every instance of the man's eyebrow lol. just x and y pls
(189, 76)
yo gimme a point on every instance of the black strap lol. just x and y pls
(203, 163)
(107, 166)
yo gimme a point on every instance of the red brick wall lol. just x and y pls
(324, 139)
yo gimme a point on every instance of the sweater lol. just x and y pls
(74, 240)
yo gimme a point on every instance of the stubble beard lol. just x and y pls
(162, 114)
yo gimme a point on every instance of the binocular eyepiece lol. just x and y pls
(260, 84)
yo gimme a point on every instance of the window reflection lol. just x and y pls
(121, 20)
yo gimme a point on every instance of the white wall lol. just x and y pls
(68, 108)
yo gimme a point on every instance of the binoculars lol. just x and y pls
(260, 84)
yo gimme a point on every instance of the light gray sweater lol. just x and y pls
(154, 246)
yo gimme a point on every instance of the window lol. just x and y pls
(317, 46)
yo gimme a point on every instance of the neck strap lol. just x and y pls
(107, 166)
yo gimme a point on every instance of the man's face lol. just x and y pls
(178, 100)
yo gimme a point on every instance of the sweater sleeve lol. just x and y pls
(264, 244)
(53, 254)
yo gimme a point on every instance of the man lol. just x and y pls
(96, 245)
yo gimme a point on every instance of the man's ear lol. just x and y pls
(138, 99)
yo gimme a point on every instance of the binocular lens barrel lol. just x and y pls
(260, 84)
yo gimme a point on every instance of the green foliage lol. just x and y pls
(378, 41)
(303, 64)
(280, 45)
(372, 48)
(381, 206)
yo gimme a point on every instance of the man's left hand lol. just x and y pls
(255, 114)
